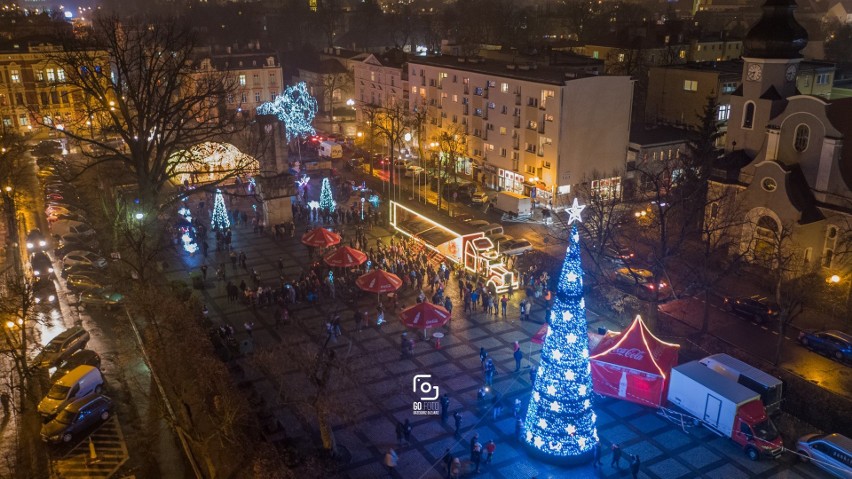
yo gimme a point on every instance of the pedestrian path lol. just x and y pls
(377, 385)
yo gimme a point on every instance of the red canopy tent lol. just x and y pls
(633, 365)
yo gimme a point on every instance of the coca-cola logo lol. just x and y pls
(632, 353)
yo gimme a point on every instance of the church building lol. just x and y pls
(786, 167)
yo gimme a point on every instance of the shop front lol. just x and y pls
(510, 181)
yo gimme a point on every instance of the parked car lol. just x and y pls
(836, 344)
(478, 224)
(71, 242)
(70, 269)
(58, 208)
(68, 217)
(516, 247)
(44, 292)
(47, 148)
(499, 240)
(63, 227)
(830, 452)
(620, 253)
(103, 297)
(413, 171)
(36, 241)
(62, 347)
(41, 265)
(757, 308)
(83, 357)
(642, 279)
(480, 197)
(85, 281)
(80, 416)
(84, 258)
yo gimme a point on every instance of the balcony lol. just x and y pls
(518, 99)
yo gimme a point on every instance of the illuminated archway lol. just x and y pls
(211, 162)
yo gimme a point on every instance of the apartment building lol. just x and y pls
(531, 129)
(32, 90)
(257, 74)
(381, 80)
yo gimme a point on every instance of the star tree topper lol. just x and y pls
(574, 212)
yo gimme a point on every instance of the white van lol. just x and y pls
(81, 381)
(330, 149)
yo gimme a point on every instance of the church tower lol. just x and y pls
(770, 64)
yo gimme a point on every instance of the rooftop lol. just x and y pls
(647, 135)
(556, 75)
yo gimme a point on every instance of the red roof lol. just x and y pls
(637, 348)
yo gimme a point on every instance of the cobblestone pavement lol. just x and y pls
(666, 450)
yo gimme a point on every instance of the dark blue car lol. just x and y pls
(836, 344)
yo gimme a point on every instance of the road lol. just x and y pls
(759, 341)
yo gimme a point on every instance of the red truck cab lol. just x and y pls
(755, 432)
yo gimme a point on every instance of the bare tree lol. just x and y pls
(392, 123)
(329, 16)
(334, 83)
(139, 79)
(370, 114)
(452, 144)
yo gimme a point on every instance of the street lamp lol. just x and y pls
(139, 216)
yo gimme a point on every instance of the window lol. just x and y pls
(681, 54)
(455, 98)
(532, 125)
(504, 88)
(596, 54)
(15, 76)
(489, 147)
(23, 120)
(822, 78)
(502, 130)
(491, 105)
(272, 96)
(477, 91)
(831, 233)
(7, 122)
(39, 75)
(230, 98)
(477, 112)
(729, 87)
(257, 97)
(243, 97)
(724, 113)
(242, 80)
(255, 79)
(827, 258)
(271, 78)
(545, 94)
(769, 184)
(690, 85)
(60, 74)
(545, 164)
(530, 169)
(748, 115)
(801, 140)
(504, 109)
(621, 58)
(548, 117)
(491, 84)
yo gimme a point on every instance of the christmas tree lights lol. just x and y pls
(220, 214)
(560, 423)
(326, 201)
(296, 108)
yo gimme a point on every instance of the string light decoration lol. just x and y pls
(326, 201)
(211, 161)
(220, 214)
(189, 244)
(560, 423)
(296, 108)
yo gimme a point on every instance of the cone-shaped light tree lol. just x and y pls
(220, 214)
(560, 423)
(326, 202)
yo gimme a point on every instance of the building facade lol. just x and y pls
(787, 168)
(381, 80)
(257, 75)
(530, 129)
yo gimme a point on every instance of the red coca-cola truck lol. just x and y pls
(725, 407)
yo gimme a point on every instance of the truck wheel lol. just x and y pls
(752, 453)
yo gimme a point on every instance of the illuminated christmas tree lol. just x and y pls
(220, 214)
(326, 202)
(560, 423)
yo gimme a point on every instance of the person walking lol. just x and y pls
(490, 447)
(406, 431)
(482, 355)
(248, 327)
(616, 456)
(445, 407)
(204, 272)
(448, 461)
(488, 369)
(476, 456)
(457, 418)
(400, 432)
(504, 303)
(391, 461)
(518, 355)
(634, 466)
(598, 453)
(233, 256)
(521, 308)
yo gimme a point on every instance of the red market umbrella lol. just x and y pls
(320, 238)
(424, 315)
(345, 257)
(378, 281)
(538, 338)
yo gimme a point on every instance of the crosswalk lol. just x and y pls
(99, 456)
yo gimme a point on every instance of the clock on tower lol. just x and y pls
(754, 72)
